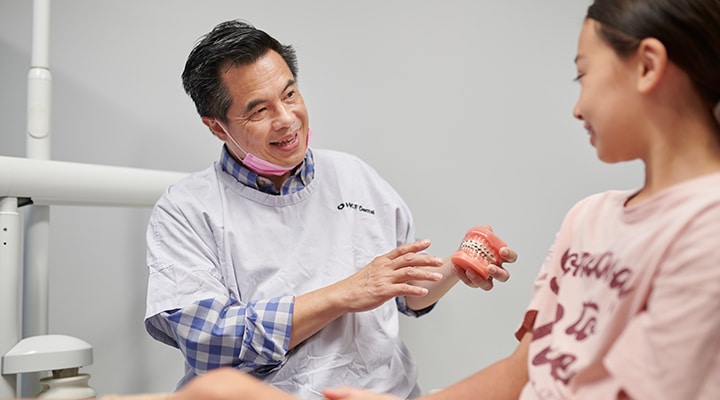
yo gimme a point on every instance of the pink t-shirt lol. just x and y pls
(629, 299)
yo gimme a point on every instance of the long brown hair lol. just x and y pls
(689, 30)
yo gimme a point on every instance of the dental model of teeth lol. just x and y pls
(480, 248)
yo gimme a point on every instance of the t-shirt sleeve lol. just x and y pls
(672, 348)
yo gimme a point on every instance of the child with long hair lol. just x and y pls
(627, 304)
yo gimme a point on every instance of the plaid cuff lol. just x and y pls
(252, 337)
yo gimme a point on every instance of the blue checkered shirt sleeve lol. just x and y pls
(252, 337)
(401, 303)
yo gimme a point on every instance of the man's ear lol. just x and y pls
(215, 127)
(653, 60)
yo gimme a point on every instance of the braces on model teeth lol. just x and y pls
(480, 248)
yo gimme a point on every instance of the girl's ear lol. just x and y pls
(653, 61)
(215, 127)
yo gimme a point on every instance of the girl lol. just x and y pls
(627, 304)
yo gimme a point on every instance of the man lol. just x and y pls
(280, 260)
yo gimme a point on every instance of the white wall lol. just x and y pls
(464, 105)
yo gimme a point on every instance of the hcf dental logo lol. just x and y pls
(353, 206)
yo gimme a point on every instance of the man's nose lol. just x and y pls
(284, 117)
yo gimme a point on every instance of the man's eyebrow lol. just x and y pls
(254, 103)
(290, 82)
(251, 105)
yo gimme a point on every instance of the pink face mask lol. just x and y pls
(257, 164)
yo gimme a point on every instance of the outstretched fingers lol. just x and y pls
(391, 275)
(409, 255)
(413, 247)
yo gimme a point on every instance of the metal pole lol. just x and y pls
(50, 182)
(36, 286)
(9, 286)
(35, 290)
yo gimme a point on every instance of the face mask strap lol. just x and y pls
(232, 139)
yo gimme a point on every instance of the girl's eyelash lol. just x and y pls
(577, 78)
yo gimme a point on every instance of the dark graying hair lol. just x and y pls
(230, 43)
(689, 30)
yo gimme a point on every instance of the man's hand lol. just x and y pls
(388, 275)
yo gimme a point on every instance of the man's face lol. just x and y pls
(267, 117)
